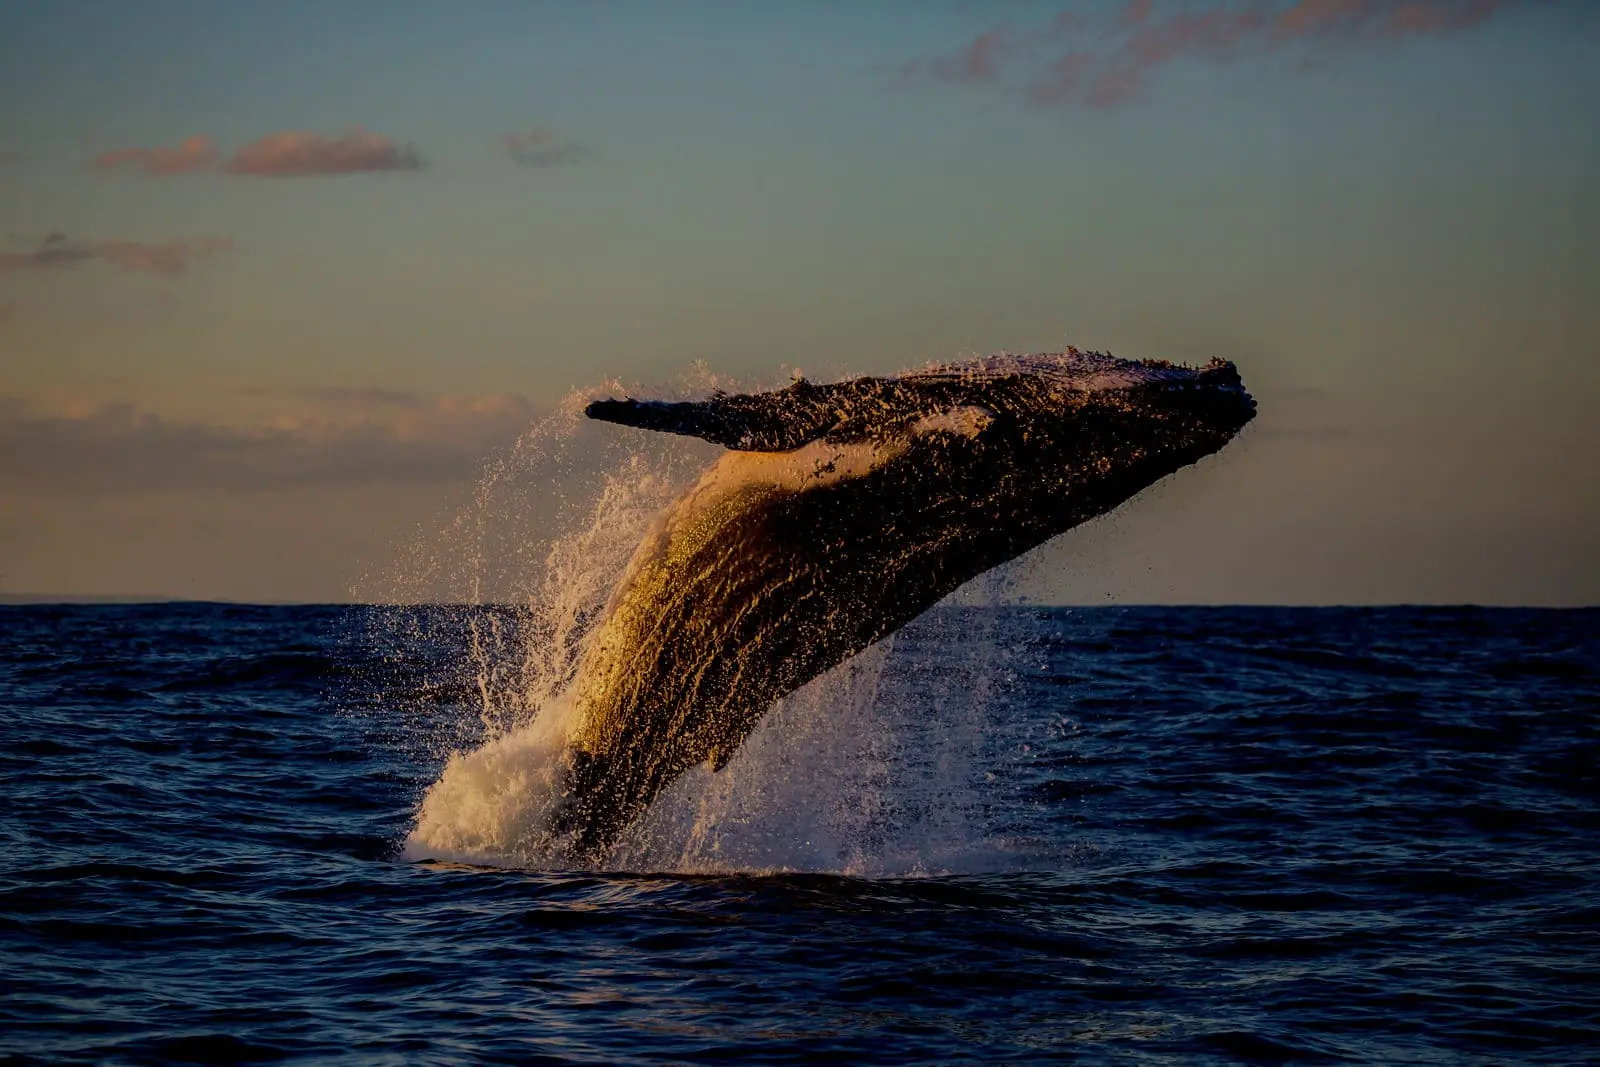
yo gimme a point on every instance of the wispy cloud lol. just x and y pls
(194, 154)
(1110, 60)
(368, 396)
(290, 154)
(123, 449)
(542, 147)
(171, 258)
(341, 397)
(298, 154)
(980, 61)
(52, 250)
(57, 251)
(8, 158)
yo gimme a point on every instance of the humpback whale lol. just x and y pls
(839, 513)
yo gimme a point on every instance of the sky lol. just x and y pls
(277, 280)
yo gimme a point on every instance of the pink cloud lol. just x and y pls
(52, 250)
(124, 448)
(980, 61)
(542, 147)
(195, 153)
(1217, 34)
(295, 154)
(1385, 18)
(171, 258)
(168, 258)
(1108, 61)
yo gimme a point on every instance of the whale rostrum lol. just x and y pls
(840, 513)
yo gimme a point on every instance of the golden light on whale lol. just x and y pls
(839, 513)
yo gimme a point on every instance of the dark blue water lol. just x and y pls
(1248, 836)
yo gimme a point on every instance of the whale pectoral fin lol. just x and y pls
(746, 422)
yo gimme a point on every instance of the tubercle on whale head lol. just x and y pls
(1222, 374)
(1098, 402)
(1211, 398)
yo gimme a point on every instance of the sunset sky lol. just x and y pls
(276, 279)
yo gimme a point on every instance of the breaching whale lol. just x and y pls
(839, 513)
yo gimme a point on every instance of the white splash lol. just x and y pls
(492, 805)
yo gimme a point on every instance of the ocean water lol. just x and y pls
(1013, 835)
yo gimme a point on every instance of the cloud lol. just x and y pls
(118, 448)
(359, 396)
(171, 258)
(290, 154)
(194, 154)
(1105, 62)
(981, 61)
(1385, 18)
(168, 258)
(52, 250)
(8, 158)
(341, 397)
(297, 154)
(542, 147)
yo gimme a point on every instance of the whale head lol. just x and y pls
(1085, 407)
